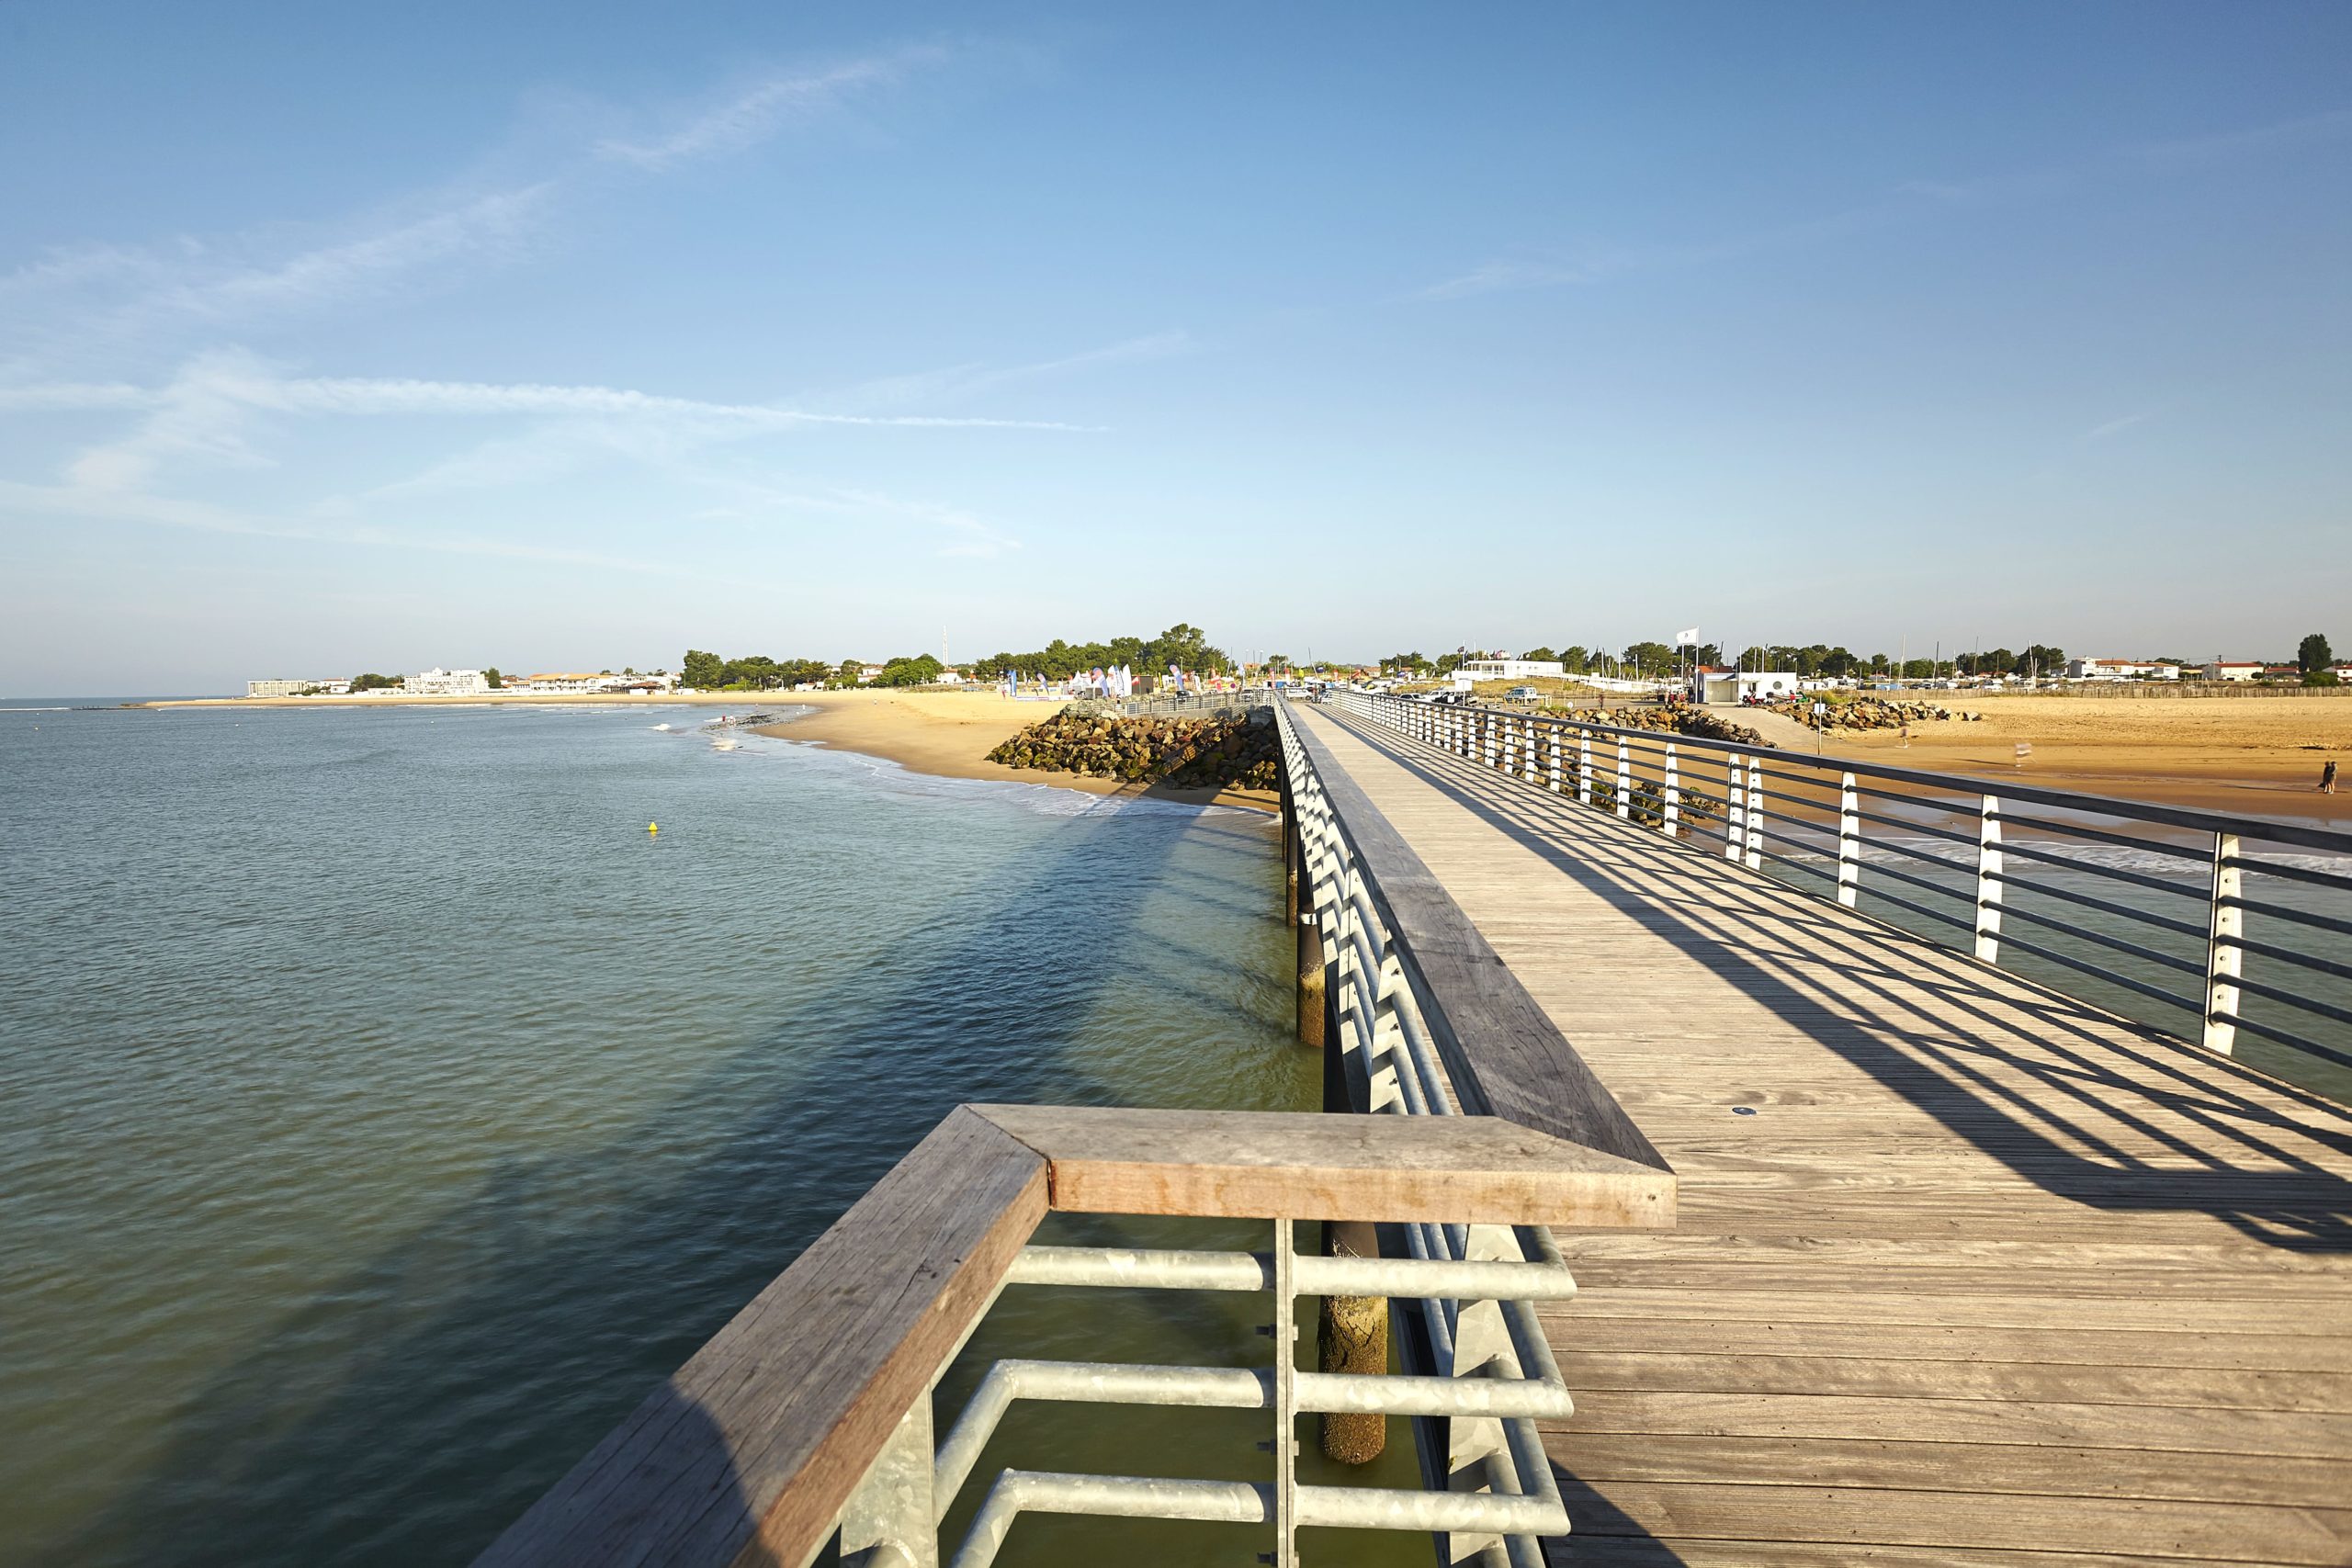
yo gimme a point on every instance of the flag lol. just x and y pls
(1686, 639)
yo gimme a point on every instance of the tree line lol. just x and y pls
(1183, 645)
(707, 671)
(1811, 661)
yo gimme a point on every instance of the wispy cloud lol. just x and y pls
(1910, 199)
(967, 535)
(203, 410)
(1495, 276)
(2116, 427)
(954, 383)
(88, 301)
(751, 115)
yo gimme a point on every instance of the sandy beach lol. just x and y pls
(2259, 755)
(951, 733)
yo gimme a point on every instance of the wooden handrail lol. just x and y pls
(748, 1453)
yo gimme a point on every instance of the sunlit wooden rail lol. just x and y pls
(808, 1419)
(1965, 1270)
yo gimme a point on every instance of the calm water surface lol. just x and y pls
(383, 1111)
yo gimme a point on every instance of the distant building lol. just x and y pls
(869, 674)
(1512, 668)
(448, 683)
(2120, 670)
(2234, 670)
(558, 680)
(296, 688)
(1709, 685)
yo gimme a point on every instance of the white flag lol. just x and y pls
(1684, 639)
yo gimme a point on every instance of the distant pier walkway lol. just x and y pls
(1965, 1273)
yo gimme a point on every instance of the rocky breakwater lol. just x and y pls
(1190, 753)
(1676, 719)
(1870, 713)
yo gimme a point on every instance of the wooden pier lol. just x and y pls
(1965, 1273)
(1722, 1224)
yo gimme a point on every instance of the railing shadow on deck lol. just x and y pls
(424, 1430)
(2145, 1082)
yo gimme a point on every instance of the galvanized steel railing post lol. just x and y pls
(1286, 1401)
(1584, 767)
(1670, 811)
(1734, 810)
(1988, 880)
(1475, 1442)
(1753, 857)
(1559, 739)
(2223, 957)
(1625, 779)
(889, 1522)
(1850, 840)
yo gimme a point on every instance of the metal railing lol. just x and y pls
(2188, 907)
(1394, 1057)
(807, 1421)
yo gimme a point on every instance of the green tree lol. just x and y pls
(915, 671)
(492, 677)
(2312, 656)
(372, 682)
(849, 671)
(2042, 660)
(1538, 655)
(1576, 659)
(702, 671)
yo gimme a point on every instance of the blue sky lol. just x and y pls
(565, 335)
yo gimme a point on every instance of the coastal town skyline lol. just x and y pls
(1562, 319)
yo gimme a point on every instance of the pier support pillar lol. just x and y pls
(1353, 1337)
(1311, 1011)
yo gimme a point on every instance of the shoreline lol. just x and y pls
(950, 733)
(947, 734)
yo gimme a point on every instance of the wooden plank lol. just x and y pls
(1599, 1550)
(2020, 1306)
(1978, 1377)
(1583, 1327)
(1312, 1165)
(1930, 1419)
(748, 1453)
(1505, 1056)
(1988, 1468)
(2016, 1522)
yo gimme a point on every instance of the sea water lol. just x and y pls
(385, 1110)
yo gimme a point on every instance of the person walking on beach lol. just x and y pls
(2327, 777)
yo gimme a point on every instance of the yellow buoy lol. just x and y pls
(653, 826)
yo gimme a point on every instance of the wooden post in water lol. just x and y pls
(1353, 1337)
(1310, 982)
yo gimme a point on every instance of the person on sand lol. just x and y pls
(2327, 777)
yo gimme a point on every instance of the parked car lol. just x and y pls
(1522, 695)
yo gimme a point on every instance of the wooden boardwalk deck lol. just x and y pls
(1983, 1276)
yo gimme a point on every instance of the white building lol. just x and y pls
(2120, 670)
(2234, 670)
(296, 688)
(1709, 685)
(1512, 668)
(448, 683)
